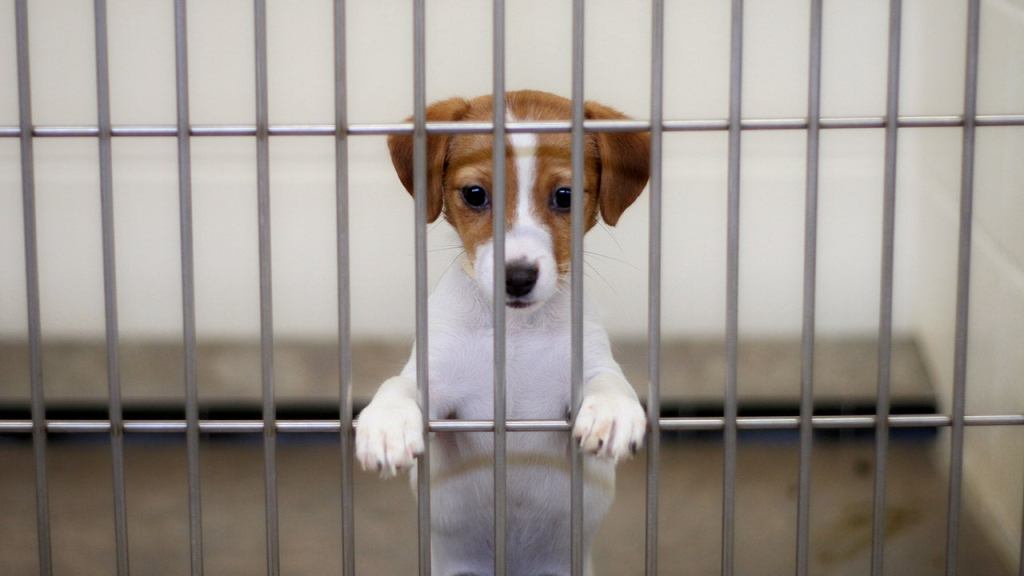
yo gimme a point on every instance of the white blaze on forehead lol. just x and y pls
(524, 151)
(527, 239)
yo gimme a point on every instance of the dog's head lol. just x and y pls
(538, 170)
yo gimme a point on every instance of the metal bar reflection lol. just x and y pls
(963, 290)
(419, 157)
(710, 423)
(28, 203)
(654, 287)
(576, 286)
(803, 516)
(732, 290)
(266, 292)
(885, 305)
(110, 288)
(498, 301)
(346, 436)
(536, 127)
(188, 297)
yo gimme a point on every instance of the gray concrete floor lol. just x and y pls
(234, 534)
(308, 466)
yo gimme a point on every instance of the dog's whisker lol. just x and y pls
(608, 231)
(446, 248)
(457, 256)
(601, 276)
(613, 258)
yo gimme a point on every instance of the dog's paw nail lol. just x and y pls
(600, 443)
(633, 448)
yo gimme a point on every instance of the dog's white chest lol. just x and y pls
(538, 480)
(538, 369)
(537, 376)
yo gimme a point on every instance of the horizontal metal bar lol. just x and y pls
(519, 127)
(223, 130)
(131, 131)
(488, 426)
(999, 120)
(930, 122)
(156, 426)
(16, 427)
(379, 129)
(24, 426)
(77, 426)
(695, 125)
(773, 124)
(303, 130)
(856, 122)
(616, 125)
(65, 131)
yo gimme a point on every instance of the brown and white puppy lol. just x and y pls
(611, 423)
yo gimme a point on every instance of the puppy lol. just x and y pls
(610, 423)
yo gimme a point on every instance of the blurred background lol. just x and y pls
(141, 43)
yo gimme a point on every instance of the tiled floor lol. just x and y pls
(234, 533)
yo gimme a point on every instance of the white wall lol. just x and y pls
(618, 68)
(994, 458)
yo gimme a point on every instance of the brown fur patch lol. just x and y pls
(616, 166)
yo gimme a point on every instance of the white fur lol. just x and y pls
(527, 240)
(609, 423)
(524, 149)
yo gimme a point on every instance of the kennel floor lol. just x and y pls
(308, 467)
(689, 539)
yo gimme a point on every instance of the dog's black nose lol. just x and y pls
(520, 279)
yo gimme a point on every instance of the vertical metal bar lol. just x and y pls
(419, 170)
(576, 284)
(28, 201)
(266, 291)
(654, 287)
(498, 197)
(732, 290)
(347, 438)
(963, 289)
(885, 309)
(188, 291)
(110, 286)
(810, 278)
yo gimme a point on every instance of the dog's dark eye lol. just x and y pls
(561, 199)
(475, 197)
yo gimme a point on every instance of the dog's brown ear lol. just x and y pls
(625, 163)
(401, 145)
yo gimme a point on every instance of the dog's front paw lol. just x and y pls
(389, 435)
(610, 425)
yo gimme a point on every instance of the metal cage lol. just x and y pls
(116, 426)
